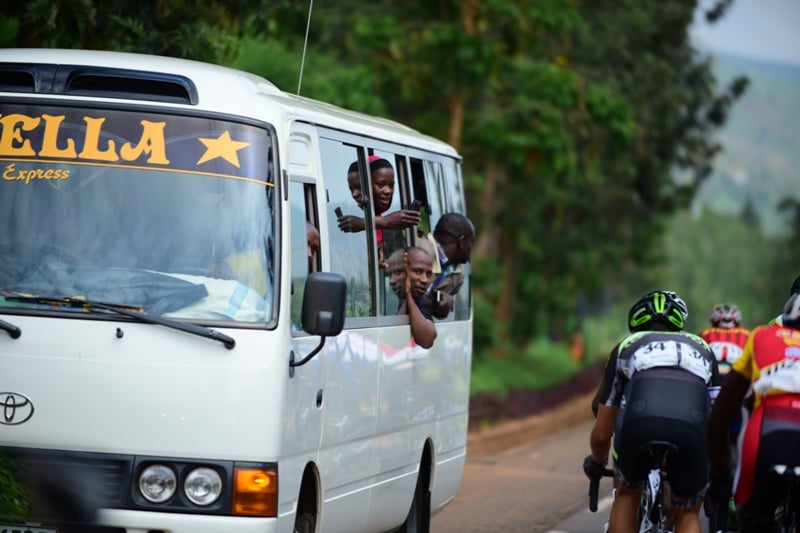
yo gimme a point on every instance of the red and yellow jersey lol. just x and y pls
(771, 361)
(726, 343)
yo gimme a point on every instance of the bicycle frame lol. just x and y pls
(652, 518)
(786, 515)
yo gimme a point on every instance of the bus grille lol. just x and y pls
(102, 478)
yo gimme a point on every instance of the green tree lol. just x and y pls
(14, 504)
(584, 124)
(574, 118)
(716, 258)
(199, 29)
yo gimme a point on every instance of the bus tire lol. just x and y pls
(305, 518)
(419, 515)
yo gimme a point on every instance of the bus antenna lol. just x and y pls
(305, 45)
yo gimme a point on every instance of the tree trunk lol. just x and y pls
(455, 105)
(504, 311)
(494, 181)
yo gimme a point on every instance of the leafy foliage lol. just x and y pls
(716, 258)
(14, 504)
(586, 125)
(197, 29)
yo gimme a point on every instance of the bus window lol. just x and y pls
(305, 243)
(385, 178)
(455, 189)
(419, 193)
(437, 192)
(349, 242)
(385, 175)
(439, 184)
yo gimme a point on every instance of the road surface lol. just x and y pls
(527, 478)
(534, 484)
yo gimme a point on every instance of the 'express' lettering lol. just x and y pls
(12, 174)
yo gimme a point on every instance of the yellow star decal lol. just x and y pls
(224, 147)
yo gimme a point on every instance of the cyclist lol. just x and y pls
(726, 336)
(770, 363)
(663, 374)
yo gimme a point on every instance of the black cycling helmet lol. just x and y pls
(658, 307)
(791, 312)
(725, 316)
(795, 286)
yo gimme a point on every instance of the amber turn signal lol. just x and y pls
(255, 492)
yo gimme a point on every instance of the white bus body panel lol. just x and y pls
(155, 391)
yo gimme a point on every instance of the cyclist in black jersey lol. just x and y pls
(656, 388)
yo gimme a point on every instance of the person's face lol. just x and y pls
(465, 243)
(354, 182)
(397, 273)
(383, 188)
(420, 271)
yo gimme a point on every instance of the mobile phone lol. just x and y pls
(338, 212)
(415, 205)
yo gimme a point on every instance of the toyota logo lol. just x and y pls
(17, 408)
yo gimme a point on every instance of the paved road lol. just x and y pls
(532, 485)
(529, 488)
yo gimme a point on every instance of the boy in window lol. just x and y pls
(417, 304)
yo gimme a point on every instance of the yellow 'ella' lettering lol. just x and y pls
(50, 139)
(91, 149)
(151, 142)
(11, 142)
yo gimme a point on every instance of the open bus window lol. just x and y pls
(349, 243)
(305, 243)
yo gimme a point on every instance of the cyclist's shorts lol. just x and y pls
(772, 436)
(665, 405)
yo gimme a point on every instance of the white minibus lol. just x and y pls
(174, 355)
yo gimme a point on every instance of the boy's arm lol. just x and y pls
(422, 329)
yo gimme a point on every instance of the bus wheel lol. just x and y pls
(419, 516)
(304, 523)
(305, 519)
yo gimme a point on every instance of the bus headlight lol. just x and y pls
(157, 483)
(203, 486)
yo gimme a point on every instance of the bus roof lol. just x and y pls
(216, 88)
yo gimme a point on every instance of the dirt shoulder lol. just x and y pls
(504, 435)
(497, 424)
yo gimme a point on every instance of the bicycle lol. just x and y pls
(719, 519)
(787, 516)
(650, 515)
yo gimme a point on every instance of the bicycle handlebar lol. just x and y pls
(594, 489)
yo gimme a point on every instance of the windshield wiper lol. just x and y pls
(125, 310)
(13, 331)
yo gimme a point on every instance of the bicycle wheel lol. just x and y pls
(650, 516)
(787, 519)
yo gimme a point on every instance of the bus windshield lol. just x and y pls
(170, 215)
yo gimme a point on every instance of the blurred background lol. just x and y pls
(610, 147)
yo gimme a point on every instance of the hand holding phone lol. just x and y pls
(415, 205)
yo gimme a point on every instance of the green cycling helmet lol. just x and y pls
(662, 307)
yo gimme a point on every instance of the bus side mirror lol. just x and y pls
(323, 310)
(324, 304)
